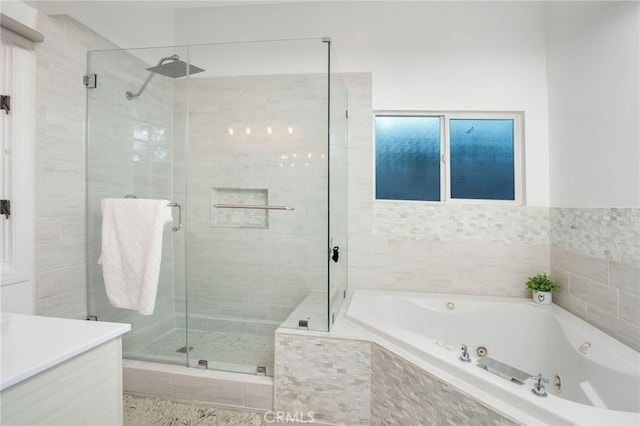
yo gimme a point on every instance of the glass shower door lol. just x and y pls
(257, 199)
(251, 144)
(130, 153)
(338, 177)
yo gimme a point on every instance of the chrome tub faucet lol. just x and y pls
(464, 356)
(538, 386)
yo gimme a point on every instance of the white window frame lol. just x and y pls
(445, 163)
(17, 131)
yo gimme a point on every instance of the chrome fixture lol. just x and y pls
(90, 80)
(503, 370)
(169, 66)
(450, 306)
(179, 227)
(250, 206)
(538, 386)
(464, 356)
(175, 228)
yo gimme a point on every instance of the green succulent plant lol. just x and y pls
(542, 282)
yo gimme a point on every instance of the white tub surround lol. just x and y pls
(600, 377)
(329, 377)
(60, 371)
(404, 394)
(393, 358)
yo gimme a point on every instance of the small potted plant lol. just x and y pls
(542, 285)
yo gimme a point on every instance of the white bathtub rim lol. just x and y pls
(569, 320)
(501, 398)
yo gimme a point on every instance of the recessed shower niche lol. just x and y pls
(240, 207)
(257, 232)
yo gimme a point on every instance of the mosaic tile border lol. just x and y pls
(403, 394)
(330, 377)
(610, 233)
(461, 222)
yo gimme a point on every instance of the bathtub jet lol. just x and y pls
(169, 66)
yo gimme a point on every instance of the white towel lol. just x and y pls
(132, 250)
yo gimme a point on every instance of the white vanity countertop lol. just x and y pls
(32, 344)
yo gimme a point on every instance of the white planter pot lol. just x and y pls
(542, 297)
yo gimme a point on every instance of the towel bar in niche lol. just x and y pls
(175, 228)
(249, 206)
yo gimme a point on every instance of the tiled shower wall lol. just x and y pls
(267, 134)
(445, 248)
(596, 255)
(60, 235)
(60, 183)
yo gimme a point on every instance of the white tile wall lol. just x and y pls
(240, 272)
(468, 249)
(61, 231)
(596, 256)
(407, 246)
(60, 263)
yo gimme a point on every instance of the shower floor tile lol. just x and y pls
(213, 346)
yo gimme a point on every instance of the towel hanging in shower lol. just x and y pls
(132, 251)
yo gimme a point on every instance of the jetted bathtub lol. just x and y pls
(593, 378)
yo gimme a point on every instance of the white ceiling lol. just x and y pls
(73, 7)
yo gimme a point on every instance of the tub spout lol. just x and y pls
(464, 356)
(538, 386)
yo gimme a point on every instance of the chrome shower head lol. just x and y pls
(170, 66)
(175, 69)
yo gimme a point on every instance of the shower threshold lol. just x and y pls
(225, 351)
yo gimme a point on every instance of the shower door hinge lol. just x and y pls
(5, 103)
(92, 318)
(90, 80)
(261, 371)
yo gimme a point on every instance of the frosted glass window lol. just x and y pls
(408, 158)
(449, 156)
(482, 159)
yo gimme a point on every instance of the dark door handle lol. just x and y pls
(335, 254)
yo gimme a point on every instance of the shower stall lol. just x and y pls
(248, 142)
